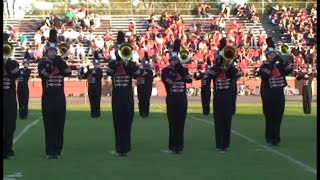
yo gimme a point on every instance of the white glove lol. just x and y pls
(85, 70)
(91, 67)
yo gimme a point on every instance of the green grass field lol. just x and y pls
(88, 142)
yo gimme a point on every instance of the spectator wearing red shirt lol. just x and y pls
(214, 24)
(304, 16)
(107, 36)
(234, 27)
(243, 65)
(132, 28)
(262, 38)
(256, 54)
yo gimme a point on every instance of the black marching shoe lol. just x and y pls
(221, 150)
(205, 113)
(8, 157)
(118, 154)
(95, 116)
(121, 154)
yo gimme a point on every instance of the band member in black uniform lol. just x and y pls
(144, 89)
(52, 70)
(122, 71)
(223, 74)
(175, 77)
(23, 90)
(273, 82)
(306, 75)
(9, 106)
(205, 90)
(93, 74)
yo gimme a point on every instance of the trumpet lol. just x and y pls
(184, 56)
(7, 51)
(63, 49)
(125, 51)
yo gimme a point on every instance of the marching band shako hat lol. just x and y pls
(271, 46)
(173, 56)
(269, 50)
(176, 48)
(96, 62)
(52, 42)
(25, 61)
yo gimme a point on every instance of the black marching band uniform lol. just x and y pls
(224, 75)
(122, 73)
(175, 77)
(93, 76)
(144, 89)
(9, 106)
(52, 70)
(23, 90)
(307, 75)
(205, 90)
(273, 82)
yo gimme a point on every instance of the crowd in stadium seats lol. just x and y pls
(299, 28)
(157, 41)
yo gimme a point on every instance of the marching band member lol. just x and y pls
(205, 90)
(175, 77)
(273, 82)
(52, 70)
(93, 74)
(10, 73)
(23, 90)
(144, 88)
(122, 70)
(307, 75)
(223, 74)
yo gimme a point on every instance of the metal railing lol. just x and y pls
(146, 7)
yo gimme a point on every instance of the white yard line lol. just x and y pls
(291, 159)
(26, 129)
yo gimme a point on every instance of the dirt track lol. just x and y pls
(191, 99)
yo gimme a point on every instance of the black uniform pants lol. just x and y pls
(205, 100)
(306, 98)
(9, 122)
(222, 114)
(144, 94)
(234, 100)
(273, 104)
(122, 112)
(54, 115)
(177, 104)
(95, 100)
(23, 99)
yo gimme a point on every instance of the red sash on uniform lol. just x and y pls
(120, 70)
(275, 72)
(221, 75)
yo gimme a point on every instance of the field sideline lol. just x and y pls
(87, 142)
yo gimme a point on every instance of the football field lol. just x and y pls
(88, 141)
